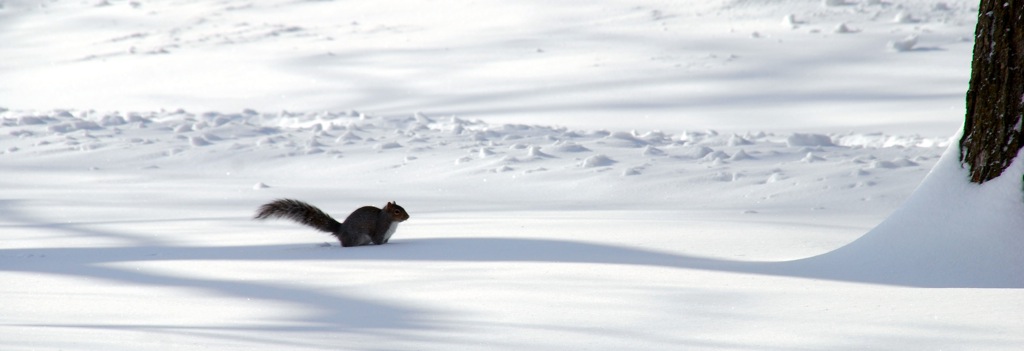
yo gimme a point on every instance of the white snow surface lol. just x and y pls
(647, 64)
(645, 175)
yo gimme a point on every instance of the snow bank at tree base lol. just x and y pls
(949, 233)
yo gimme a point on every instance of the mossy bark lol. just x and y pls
(993, 131)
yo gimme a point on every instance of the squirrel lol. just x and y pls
(365, 225)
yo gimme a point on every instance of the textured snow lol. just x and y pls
(616, 175)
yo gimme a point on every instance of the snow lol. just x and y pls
(632, 64)
(905, 44)
(930, 241)
(622, 175)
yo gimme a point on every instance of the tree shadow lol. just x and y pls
(838, 265)
(394, 95)
(321, 311)
(335, 311)
(330, 311)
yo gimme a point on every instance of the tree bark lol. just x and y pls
(993, 131)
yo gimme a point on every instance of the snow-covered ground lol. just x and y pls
(622, 175)
(727, 64)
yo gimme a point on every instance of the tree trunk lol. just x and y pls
(993, 133)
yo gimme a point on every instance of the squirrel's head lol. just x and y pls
(396, 212)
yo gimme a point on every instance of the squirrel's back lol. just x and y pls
(375, 224)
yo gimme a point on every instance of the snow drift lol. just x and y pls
(949, 233)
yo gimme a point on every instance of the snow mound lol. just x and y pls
(842, 28)
(597, 161)
(569, 147)
(799, 139)
(905, 44)
(534, 152)
(949, 233)
(740, 156)
(652, 151)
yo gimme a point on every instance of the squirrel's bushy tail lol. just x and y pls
(300, 212)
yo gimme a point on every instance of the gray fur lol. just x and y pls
(365, 225)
